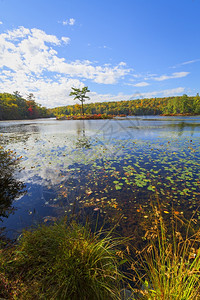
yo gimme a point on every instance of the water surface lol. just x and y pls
(112, 168)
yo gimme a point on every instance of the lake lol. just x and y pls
(106, 170)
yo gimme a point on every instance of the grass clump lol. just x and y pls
(168, 268)
(61, 262)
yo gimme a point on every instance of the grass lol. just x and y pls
(61, 262)
(168, 268)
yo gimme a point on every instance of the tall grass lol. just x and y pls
(70, 262)
(62, 262)
(168, 268)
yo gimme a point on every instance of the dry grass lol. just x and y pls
(168, 268)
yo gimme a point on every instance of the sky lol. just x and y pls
(120, 49)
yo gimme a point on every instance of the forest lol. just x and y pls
(153, 106)
(14, 107)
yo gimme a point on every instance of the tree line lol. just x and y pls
(15, 107)
(152, 106)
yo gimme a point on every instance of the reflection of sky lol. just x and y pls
(49, 146)
(51, 150)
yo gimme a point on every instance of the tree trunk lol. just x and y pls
(82, 108)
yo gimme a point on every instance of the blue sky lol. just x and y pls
(120, 49)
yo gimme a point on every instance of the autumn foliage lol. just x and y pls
(153, 106)
(14, 107)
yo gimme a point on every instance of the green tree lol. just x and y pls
(196, 104)
(17, 95)
(14, 107)
(80, 94)
(30, 97)
(184, 106)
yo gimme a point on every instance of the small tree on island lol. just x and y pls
(80, 94)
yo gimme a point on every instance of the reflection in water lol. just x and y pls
(17, 133)
(22, 128)
(82, 140)
(10, 187)
(180, 127)
(105, 167)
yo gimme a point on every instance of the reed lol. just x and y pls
(168, 268)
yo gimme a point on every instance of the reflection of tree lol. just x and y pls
(82, 140)
(180, 127)
(10, 187)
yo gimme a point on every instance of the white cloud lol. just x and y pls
(141, 84)
(190, 62)
(173, 92)
(102, 47)
(174, 75)
(15, 34)
(1, 23)
(186, 63)
(165, 93)
(55, 92)
(66, 40)
(49, 92)
(137, 95)
(29, 50)
(70, 22)
(29, 62)
(122, 63)
(85, 69)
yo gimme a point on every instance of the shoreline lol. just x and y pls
(100, 117)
